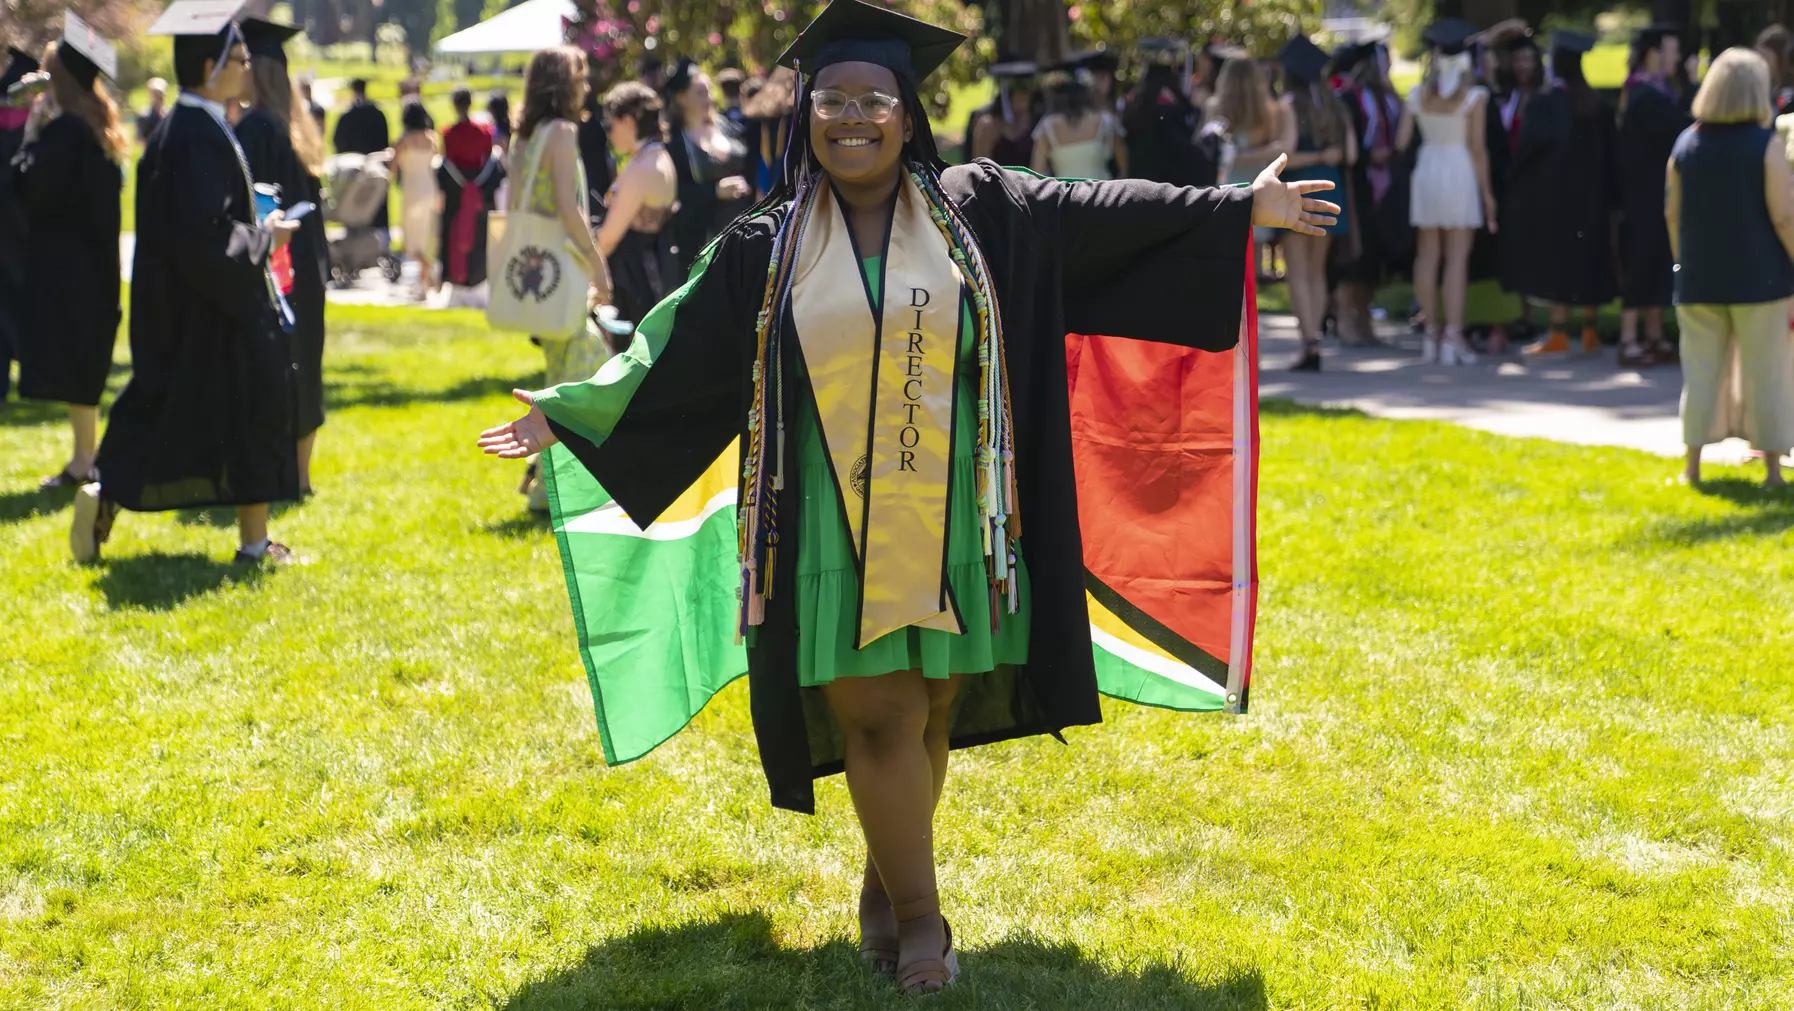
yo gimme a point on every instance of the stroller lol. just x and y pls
(358, 185)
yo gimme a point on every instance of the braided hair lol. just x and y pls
(800, 184)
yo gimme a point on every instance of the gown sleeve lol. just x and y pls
(1143, 259)
(655, 417)
(218, 258)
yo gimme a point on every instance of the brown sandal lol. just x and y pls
(916, 978)
(878, 951)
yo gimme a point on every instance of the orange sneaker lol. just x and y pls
(1554, 343)
(1591, 341)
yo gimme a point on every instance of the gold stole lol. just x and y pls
(883, 378)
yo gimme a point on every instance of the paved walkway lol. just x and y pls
(1583, 400)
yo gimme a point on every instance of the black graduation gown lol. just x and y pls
(1485, 251)
(701, 215)
(71, 192)
(208, 417)
(1375, 257)
(1557, 235)
(453, 187)
(1128, 258)
(12, 259)
(594, 154)
(1162, 143)
(1650, 122)
(269, 148)
(362, 129)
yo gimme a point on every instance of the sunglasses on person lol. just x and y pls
(873, 106)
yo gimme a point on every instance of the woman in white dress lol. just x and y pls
(415, 155)
(1450, 193)
(1077, 139)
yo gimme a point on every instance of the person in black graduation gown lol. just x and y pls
(469, 176)
(285, 148)
(1557, 238)
(1652, 116)
(1519, 74)
(1165, 141)
(208, 417)
(13, 114)
(362, 129)
(1376, 115)
(1126, 257)
(710, 158)
(68, 177)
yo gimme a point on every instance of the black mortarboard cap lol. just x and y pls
(1166, 52)
(22, 63)
(852, 31)
(268, 39)
(1652, 36)
(1450, 36)
(1571, 42)
(1524, 39)
(1013, 69)
(83, 52)
(1095, 60)
(1303, 61)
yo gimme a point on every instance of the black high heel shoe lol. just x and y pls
(1309, 362)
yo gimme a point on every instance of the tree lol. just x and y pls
(33, 24)
(1261, 26)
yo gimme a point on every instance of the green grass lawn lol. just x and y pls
(1519, 741)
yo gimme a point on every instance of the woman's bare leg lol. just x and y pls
(941, 693)
(84, 420)
(883, 722)
(1457, 276)
(1426, 276)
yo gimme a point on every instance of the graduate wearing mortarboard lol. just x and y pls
(1557, 237)
(14, 110)
(956, 525)
(208, 417)
(286, 149)
(1162, 120)
(1652, 116)
(68, 176)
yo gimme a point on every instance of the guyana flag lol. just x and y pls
(1165, 445)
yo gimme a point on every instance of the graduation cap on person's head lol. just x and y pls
(202, 29)
(83, 53)
(1303, 61)
(1571, 42)
(1652, 36)
(853, 31)
(1166, 52)
(267, 39)
(1514, 41)
(1096, 61)
(1450, 36)
(1013, 70)
(20, 64)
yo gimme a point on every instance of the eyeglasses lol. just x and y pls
(873, 106)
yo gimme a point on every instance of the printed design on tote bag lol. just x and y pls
(534, 272)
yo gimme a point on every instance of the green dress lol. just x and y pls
(828, 583)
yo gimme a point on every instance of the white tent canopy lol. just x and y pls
(526, 28)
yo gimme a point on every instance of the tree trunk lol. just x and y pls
(1033, 30)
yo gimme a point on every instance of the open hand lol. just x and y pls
(1277, 204)
(526, 436)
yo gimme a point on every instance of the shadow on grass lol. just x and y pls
(18, 506)
(734, 961)
(1763, 512)
(376, 393)
(162, 582)
(526, 524)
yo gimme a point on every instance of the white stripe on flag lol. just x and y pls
(612, 520)
(1183, 674)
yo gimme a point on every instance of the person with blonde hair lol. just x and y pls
(1730, 205)
(69, 178)
(1451, 196)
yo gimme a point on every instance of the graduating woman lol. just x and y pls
(1651, 118)
(284, 146)
(14, 111)
(886, 341)
(634, 238)
(68, 178)
(1557, 239)
(710, 158)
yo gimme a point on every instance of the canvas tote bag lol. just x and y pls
(539, 282)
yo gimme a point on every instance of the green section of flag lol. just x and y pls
(655, 614)
(1120, 679)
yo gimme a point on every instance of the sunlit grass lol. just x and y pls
(1519, 740)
